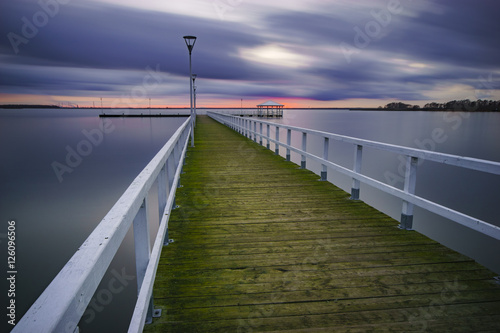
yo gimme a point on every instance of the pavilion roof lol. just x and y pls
(270, 103)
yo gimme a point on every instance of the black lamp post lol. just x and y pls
(194, 97)
(190, 40)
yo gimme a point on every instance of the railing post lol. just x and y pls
(276, 145)
(255, 131)
(162, 190)
(260, 141)
(173, 156)
(409, 187)
(288, 142)
(185, 137)
(141, 241)
(142, 253)
(358, 155)
(192, 131)
(175, 153)
(304, 149)
(325, 157)
(268, 146)
(171, 175)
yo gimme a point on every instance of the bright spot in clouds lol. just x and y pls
(274, 55)
(418, 65)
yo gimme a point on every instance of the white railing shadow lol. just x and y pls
(253, 129)
(62, 304)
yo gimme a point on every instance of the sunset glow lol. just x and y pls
(302, 53)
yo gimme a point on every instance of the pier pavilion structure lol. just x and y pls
(270, 109)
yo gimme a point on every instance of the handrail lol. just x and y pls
(144, 305)
(62, 304)
(254, 112)
(248, 127)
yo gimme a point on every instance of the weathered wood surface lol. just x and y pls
(261, 245)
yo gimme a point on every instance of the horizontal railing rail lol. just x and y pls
(253, 129)
(241, 112)
(259, 112)
(62, 304)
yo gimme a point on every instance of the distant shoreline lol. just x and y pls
(42, 106)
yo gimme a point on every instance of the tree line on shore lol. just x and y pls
(455, 105)
(28, 106)
(460, 105)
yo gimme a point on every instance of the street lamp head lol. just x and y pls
(190, 40)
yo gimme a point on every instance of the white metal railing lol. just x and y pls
(240, 112)
(259, 112)
(62, 304)
(253, 129)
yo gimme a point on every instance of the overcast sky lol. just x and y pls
(302, 53)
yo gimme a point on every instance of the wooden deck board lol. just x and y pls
(262, 246)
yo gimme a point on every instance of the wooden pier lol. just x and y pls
(142, 115)
(263, 246)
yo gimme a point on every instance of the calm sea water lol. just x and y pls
(56, 210)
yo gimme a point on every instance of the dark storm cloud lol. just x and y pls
(88, 47)
(113, 37)
(464, 34)
(108, 37)
(460, 39)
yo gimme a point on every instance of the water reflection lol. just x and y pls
(54, 216)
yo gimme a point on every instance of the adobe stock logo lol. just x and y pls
(74, 157)
(373, 29)
(221, 7)
(30, 27)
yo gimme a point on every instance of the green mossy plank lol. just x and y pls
(483, 317)
(263, 246)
